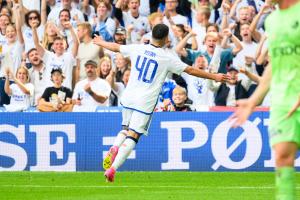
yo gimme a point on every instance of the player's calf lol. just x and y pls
(110, 157)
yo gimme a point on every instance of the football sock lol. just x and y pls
(120, 138)
(285, 183)
(124, 152)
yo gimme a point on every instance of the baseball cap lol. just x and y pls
(120, 30)
(57, 69)
(231, 68)
(91, 62)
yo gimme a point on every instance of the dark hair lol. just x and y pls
(181, 27)
(65, 10)
(31, 50)
(214, 25)
(9, 19)
(29, 13)
(160, 31)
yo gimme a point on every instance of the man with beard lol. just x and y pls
(90, 92)
(36, 74)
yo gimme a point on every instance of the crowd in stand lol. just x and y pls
(48, 58)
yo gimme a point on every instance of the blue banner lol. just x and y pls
(195, 141)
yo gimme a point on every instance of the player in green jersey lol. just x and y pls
(282, 76)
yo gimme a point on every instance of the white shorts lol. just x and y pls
(136, 121)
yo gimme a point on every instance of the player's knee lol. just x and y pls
(284, 159)
(133, 134)
(124, 132)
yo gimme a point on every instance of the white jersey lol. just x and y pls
(19, 101)
(199, 92)
(140, 23)
(66, 62)
(28, 37)
(88, 103)
(150, 66)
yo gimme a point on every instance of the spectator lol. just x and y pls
(136, 24)
(103, 24)
(92, 91)
(172, 18)
(247, 55)
(60, 58)
(154, 19)
(211, 40)
(4, 22)
(179, 97)
(234, 89)
(106, 72)
(243, 18)
(64, 21)
(87, 10)
(76, 15)
(180, 31)
(122, 64)
(56, 98)
(37, 74)
(87, 49)
(198, 91)
(31, 17)
(200, 22)
(51, 32)
(21, 91)
(10, 57)
(120, 36)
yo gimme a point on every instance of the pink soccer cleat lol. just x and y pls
(110, 174)
(110, 157)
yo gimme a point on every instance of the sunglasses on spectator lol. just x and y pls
(32, 18)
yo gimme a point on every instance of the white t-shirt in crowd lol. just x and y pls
(66, 62)
(144, 8)
(19, 101)
(28, 38)
(88, 51)
(38, 79)
(11, 57)
(198, 91)
(110, 26)
(3, 40)
(151, 66)
(140, 23)
(120, 87)
(54, 15)
(249, 49)
(32, 4)
(88, 103)
(177, 19)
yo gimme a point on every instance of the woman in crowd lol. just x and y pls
(21, 91)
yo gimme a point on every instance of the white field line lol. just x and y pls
(136, 186)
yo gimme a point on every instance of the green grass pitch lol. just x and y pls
(139, 185)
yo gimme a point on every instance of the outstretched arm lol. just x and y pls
(107, 45)
(203, 74)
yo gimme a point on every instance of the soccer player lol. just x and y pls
(151, 64)
(283, 81)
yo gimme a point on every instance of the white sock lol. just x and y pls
(124, 152)
(120, 138)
